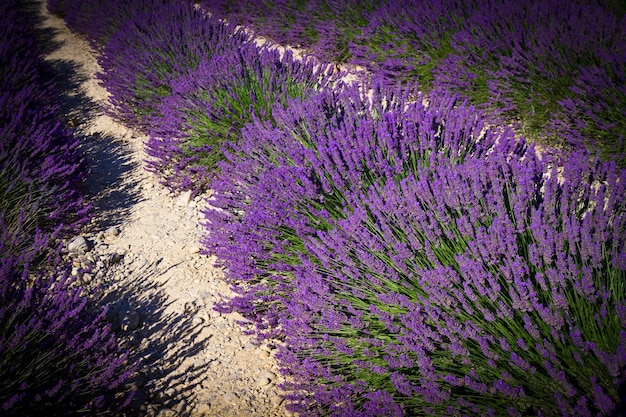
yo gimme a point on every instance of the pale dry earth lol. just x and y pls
(142, 252)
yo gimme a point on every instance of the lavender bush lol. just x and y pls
(262, 188)
(414, 305)
(57, 357)
(208, 107)
(156, 46)
(40, 163)
(413, 261)
(595, 112)
(98, 19)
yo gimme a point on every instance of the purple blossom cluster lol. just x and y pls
(56, 356)
(152, 48)
(210, 104)
(413, 260)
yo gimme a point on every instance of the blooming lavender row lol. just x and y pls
(413, 261)
(57, 357)
(40, 164)
(526, 62)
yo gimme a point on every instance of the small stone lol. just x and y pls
(183, 199)
(112, 231)
(134, 340)
(230, 396)
(261, 382)
(166, 412)
(203, 409)
(268, 374)
(276, 401)
(87, 278)
(113, 258)
(78, 245)
(190, 307)
(136, 383)
(204, 316)
(180, 408)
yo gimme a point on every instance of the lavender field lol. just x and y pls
(445, 237)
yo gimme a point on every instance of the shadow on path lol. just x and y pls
(160, 342)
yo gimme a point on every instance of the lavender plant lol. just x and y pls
(414, 305)
(268, 178)
(414, 261)
(155, 47)
(56, 356)
(595, 112)
(98, 19)
(209, 106)
(40, 163)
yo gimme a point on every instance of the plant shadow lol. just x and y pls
(160, 343)
(109, 187)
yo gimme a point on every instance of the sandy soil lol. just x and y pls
(194, 361)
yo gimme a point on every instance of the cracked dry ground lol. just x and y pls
(142, 250)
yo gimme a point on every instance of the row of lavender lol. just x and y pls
(414, 262)
(57, 356)
(556, 69)
(409, 258)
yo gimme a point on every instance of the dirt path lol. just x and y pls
(142, 250)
